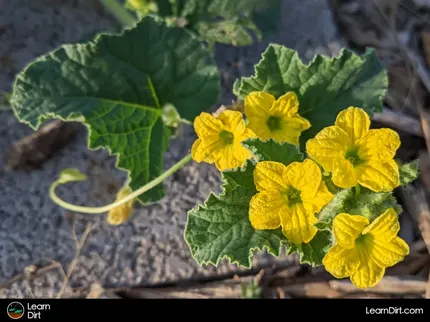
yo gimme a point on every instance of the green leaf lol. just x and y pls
(335, 207)
(241, 178)
(221, 228)
(230, 9)
(324, 87)
(226, 32)
(313, 252)
(231, 22)
(271, 150)
(195, 10)
(409, 172)
(369, 204)
(117, 85)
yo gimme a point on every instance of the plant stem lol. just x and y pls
(175, 7)
(138, 192)
(186, 121)
(119, 12)
(357, 190)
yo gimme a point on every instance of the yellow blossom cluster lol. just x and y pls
(290, 197)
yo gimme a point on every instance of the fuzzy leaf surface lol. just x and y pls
(117, 85)
(220, 228)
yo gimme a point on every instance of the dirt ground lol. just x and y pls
(147, 257)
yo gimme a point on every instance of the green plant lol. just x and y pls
(215, 21)
(299, 184)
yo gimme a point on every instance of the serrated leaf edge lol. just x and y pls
(252, 250)
(369, 51)
(81, 119)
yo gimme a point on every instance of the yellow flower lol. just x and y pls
(354, 154)
(118, 215)
(143, 6)
(220, 140)
(363, 251)
(275, 119)
(289, 196)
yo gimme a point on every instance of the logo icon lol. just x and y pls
(15, 310)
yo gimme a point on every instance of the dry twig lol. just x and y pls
(79, 244)
(394, 285)
(30, 275)
(400, 121)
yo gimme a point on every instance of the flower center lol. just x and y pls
(274, 123)
(352, 156)
(361, 240)
(293, 196)
(226, 137)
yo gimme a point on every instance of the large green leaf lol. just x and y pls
(117, 85)
(324, 87)
(221, 229)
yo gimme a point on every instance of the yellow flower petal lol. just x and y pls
(220, 140)
(120, 214)
(344, 175)
(204, 151)
(298, 224)
(265, 208)
(347, 228)
(380, 177)
(378, 145)
(292, 130)
(304, 176)
(354, 121)
(388, 253)
(297, 124)
(275, 119)
(368, 273)
(386, 248)
(269, 175)
(233, 122)
(330, 143)
(231, 156)
(247, 134)
(341, 262)
(285, 106)
(385, 226)
(207, 125)
(262, 131)
(321, 198)
(257, 105)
